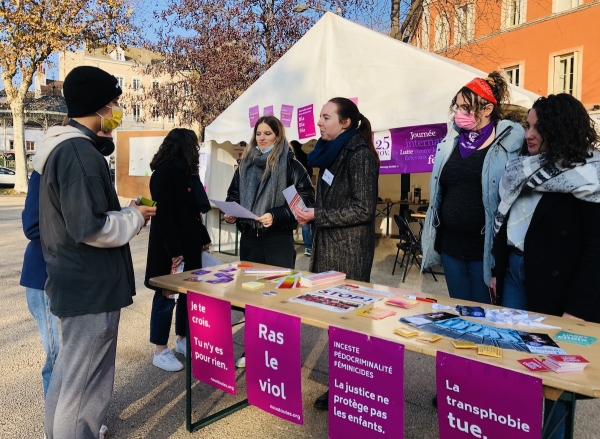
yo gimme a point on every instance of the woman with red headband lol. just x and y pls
(464, 187)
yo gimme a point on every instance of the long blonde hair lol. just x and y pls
(277, 127)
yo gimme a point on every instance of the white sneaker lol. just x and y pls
(241, 362)
(103, 432)
(167, 361)
(180, 346)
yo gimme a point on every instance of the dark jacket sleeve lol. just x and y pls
(360, 208)
(233, 193)
(31, 213)
(297, 176)
(162, 188)
(584, 292)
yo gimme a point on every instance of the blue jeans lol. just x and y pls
(161, 317)
(306, 237)
(513, 295)
(39, 307)
(465, 279)
(559, 412)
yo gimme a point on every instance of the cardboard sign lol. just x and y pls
(273, 363)
(211, 341)
(366, 386)
(478, 400)
(306, 122)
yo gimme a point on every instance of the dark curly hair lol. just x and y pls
(476, 102)
(179, 143)
(567, 129)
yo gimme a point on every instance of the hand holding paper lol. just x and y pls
(294, 200)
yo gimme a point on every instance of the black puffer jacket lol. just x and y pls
(283, 218)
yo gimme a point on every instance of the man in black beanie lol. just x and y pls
(85, 235)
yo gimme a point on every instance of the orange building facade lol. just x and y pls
(545, 46)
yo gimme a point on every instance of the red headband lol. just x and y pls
(481, 88)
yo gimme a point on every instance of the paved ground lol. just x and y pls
(150, 403)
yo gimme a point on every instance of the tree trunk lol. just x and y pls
(21, 182)
(395, 18)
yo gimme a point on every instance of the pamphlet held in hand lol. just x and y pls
(294, 199)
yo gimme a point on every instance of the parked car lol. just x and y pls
(7, 177)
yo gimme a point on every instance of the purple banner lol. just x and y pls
(366, 386)
(483, 401)
(268, 111)
(254, 115)
(211, 341)
(273, 363)
(306, 122)
(410, 149)
(287, 112)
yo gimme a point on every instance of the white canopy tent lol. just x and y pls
(396, 85)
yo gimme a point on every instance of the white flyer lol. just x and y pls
(294, 199)
(232, 208)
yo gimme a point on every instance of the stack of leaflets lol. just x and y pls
(267, 271)
(566, 363)
(314, 280)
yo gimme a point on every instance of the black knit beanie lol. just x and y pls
(87, 89)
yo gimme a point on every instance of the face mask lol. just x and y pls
(112, 123)
(465, 121)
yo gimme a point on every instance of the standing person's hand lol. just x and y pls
(305, 217)
(176, 261)
(146, 211)
(266, 220)
(229, 219)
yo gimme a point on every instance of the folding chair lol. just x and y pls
(412, 245)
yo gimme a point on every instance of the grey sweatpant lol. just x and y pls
(83, 377)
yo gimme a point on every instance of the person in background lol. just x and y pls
(85, 234)
(344, 213)
(302, 157)
(464, 187)
(266, 168)
(547, 243)
(177, 235)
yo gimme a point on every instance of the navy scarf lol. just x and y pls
(325, 152)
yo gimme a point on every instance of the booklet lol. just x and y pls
(584, 340)
(541, 344)
(294, 199)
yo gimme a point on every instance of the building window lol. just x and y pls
(565, 73)
(514, 12)
(137, 112)
(137, 85)
(564, 5)
(120, 56)
(464, 23)
(120, 80)
(513, 75)
(29, 145)
(11, 144)
(425, 27)
(171, 116)
(441, 32)
(155, 114)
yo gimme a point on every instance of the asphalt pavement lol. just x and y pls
(150, 403)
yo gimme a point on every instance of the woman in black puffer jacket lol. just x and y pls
(266, 168)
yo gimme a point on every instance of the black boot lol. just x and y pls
(322, 402)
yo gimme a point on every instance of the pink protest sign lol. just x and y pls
(268, 111)
(211, 341)
(254, 115)
(366, 386)
(306, 122)
(273, 364)
(410, 149)
(287, 112)
(478, 400)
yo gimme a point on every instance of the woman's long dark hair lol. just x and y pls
(179, 143)
(476, 103)
(346, 109)
(567, 128)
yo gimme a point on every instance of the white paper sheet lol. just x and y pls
(232, 208)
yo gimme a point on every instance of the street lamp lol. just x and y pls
(304, 7)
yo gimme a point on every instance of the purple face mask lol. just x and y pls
(465, 121)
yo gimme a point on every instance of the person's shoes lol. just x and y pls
(167, 361)
(307, 252)
(180, 346)
(103, 432)
(241, 362)
(322, 402)
(434, 401)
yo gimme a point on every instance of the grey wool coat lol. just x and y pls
(344, 225)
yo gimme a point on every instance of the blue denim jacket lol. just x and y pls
(506, 145)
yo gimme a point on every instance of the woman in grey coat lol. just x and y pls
(344, 213)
